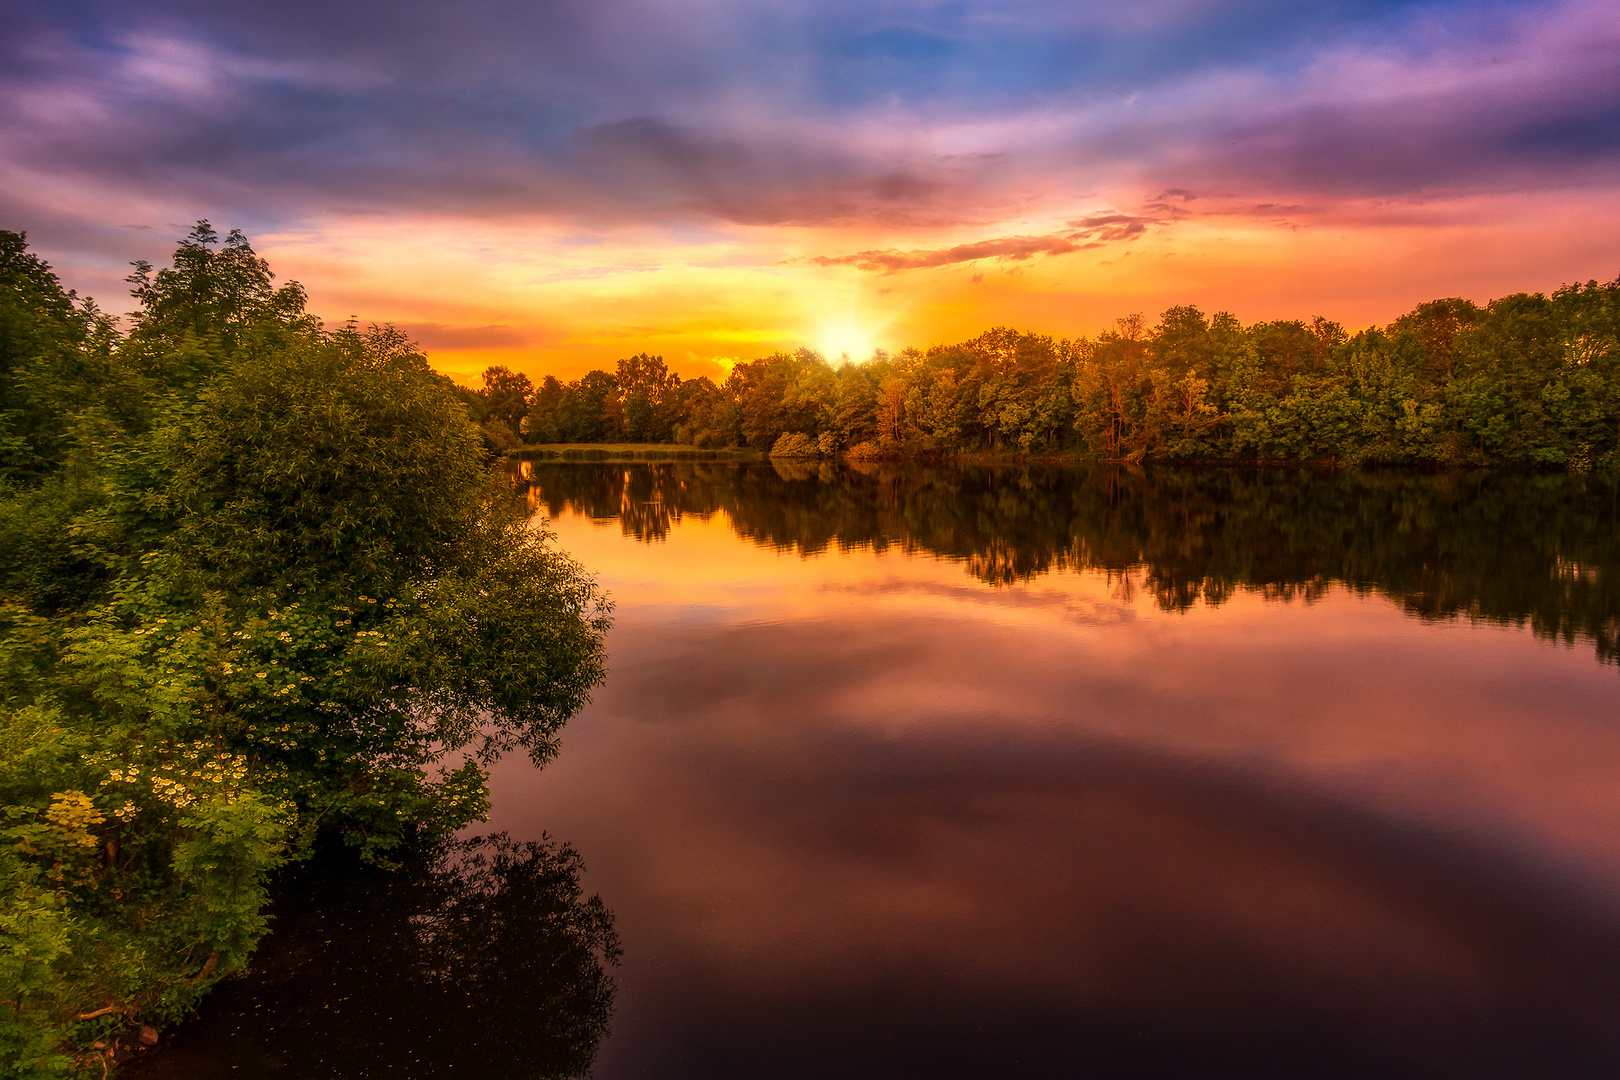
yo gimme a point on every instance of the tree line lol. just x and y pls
(1528, 380)
(259, 591)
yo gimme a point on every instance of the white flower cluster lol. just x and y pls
(197, 770)
(173, 792)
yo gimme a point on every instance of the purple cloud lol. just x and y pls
(893, 112)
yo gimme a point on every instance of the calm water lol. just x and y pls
(1102, 773)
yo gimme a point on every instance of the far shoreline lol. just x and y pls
(677, 453)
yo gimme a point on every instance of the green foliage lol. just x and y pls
(258, 583)
(1527, 380)
(795, 444)
(506, 396)
(311, 460)
(214, 296)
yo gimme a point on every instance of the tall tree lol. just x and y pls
(507, 394)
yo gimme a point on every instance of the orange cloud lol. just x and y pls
(536, 298)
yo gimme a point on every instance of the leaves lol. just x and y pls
(260, 584)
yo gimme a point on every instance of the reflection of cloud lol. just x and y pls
(1075, 610)
(886, 829)
(1036, 883)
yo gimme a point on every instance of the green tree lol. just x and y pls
(506, 393)
(648, 391)
(259, 584)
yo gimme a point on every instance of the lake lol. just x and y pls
(1048, 772)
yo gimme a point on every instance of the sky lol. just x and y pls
(556, 184)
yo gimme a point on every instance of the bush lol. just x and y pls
(884, 449)
(794, 444)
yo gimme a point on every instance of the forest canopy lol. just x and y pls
(1527, 379)
(258, 585)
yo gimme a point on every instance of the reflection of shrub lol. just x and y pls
(796, 468)
(366, 965)
(795, 444)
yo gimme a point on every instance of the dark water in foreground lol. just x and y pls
(1041, 773)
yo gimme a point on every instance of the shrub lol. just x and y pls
(795, 444)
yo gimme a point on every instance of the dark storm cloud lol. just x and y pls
(789, 113)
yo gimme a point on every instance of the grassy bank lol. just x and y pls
(629, 452)
(609, 452)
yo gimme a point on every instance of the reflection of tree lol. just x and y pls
(484, 960)
(516, 957)
(1536, 548)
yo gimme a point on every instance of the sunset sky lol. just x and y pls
(553, 185)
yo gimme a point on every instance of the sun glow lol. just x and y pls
(857, 343)
(843, 329)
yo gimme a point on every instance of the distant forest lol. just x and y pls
(1526, 380)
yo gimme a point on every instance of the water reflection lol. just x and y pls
(481, 958)
(1098, 807)
(991, 911)
(1541, 549)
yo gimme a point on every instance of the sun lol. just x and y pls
(841, 328)
(845, 338)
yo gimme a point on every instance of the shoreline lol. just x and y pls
(655, 453)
